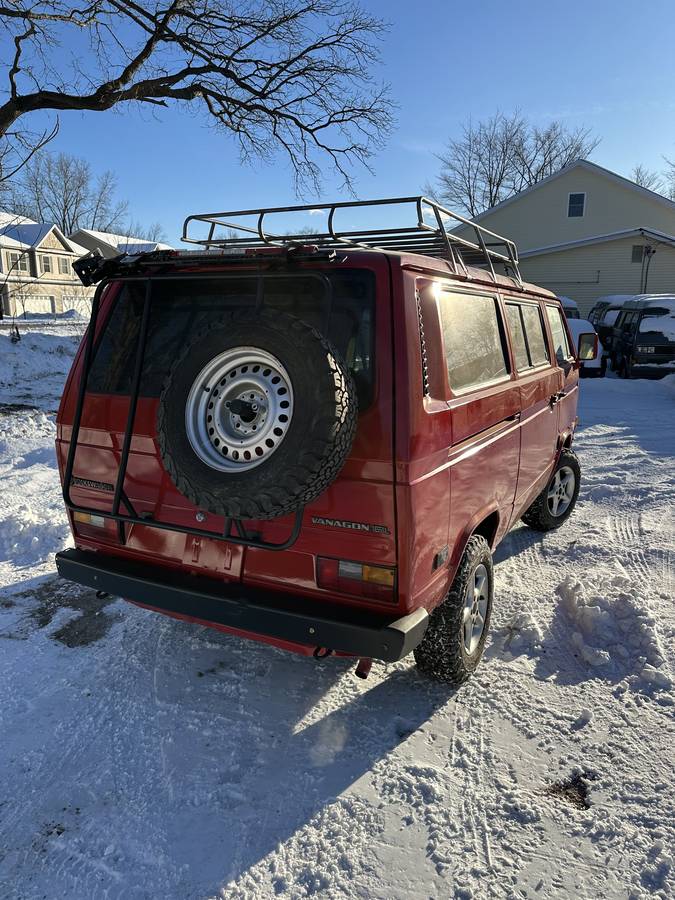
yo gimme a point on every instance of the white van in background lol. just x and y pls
(570, 308)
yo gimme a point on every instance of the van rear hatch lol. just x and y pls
(353, 520)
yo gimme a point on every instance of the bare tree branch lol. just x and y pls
(289, 75)
(501, 156)
(646, 178)
(62, 190)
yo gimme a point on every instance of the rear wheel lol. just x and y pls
(455, 637)
(555, 503)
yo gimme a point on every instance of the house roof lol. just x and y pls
(124, 243)
(22, 233)
(589, 166)
(658, 236)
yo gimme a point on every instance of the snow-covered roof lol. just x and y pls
(124, 243)
(20, 232)
(9, 218)
(658, 236)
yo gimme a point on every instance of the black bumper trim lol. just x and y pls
(235, 605)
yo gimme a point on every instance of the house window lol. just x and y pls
(46, 263)
(637, 253)
(575, 205)
(18, 262)
(64, 267)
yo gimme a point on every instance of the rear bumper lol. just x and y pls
(652, 370)
(270, 614)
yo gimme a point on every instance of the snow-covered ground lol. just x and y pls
(143, 757)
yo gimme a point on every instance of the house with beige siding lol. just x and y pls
(585, 232)
(36, 273)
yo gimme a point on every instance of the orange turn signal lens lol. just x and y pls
(89, 519)
(360, 579)
(378, 575)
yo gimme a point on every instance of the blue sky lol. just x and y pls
(608, 65)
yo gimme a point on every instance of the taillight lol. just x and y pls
(89, 525)
(360, 579)
(82, 518)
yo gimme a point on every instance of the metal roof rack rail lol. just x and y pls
(429, 235)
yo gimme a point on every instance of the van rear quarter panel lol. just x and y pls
(423, 434)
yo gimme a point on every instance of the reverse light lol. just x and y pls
(360, 579)
(83, 518)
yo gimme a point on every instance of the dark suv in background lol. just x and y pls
(643, 337)
(603, 317)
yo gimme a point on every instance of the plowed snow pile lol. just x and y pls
(33, 370)
(615, 629)
(145, 757)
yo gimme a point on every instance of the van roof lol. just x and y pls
(647, 301)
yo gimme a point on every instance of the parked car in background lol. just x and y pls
(603, 304)
(603, 317)
(570, 308)
(590, 368)
(320, 451)
(643, 340)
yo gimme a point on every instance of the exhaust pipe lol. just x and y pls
(363, 667)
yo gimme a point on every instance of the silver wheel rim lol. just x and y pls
(475, 608)
(239, 409)
(561, 491)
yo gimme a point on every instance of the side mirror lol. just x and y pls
(587, 348)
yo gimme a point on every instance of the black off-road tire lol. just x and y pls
(539, 516)
(441, 655)
(319, 436)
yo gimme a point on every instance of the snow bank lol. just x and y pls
(49, 316)
(614, 628)
(668, 383)
(33, 521)
(33, 371)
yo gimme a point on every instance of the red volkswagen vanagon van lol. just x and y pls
(318, 441)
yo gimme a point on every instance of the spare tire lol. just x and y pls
(257, 416)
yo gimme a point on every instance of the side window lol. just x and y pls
(473, 340)
(534, 333)
(561, 344)
(517, 330)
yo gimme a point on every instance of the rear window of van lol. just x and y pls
(181, 306)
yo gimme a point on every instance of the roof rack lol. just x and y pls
(429, 235)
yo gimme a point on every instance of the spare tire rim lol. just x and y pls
(239, 409)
